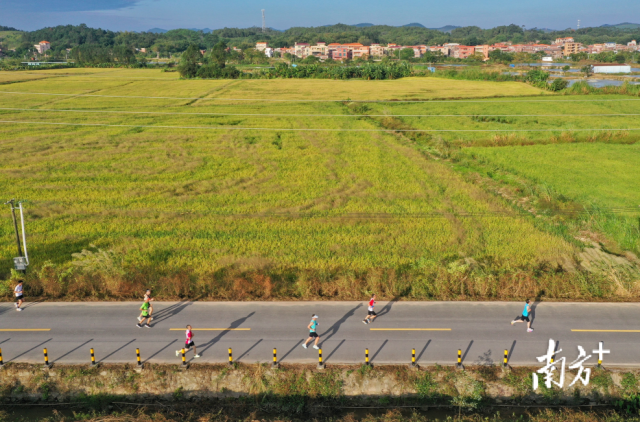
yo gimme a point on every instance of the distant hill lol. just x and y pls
(624, 25)
(163, 31)
(363, 25)
(446, 28)
(416, 24)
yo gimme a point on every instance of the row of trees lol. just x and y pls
(179, 40)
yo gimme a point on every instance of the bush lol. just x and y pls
(559, 84)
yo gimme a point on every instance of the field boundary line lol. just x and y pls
(178, 113)
(310, 129)
(313, 101)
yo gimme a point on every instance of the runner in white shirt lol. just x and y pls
(371, 315)
(19, 296)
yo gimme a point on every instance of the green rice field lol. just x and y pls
(267, 189)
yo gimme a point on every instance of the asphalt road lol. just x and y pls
(436, 330)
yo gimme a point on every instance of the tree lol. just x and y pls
(586, 70)
(189, 60)
(407, 54)
(219, 54)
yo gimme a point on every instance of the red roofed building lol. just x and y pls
(43, 46)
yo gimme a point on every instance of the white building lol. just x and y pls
(547, 59)
(268, 52)
(611, 68)
(43, 46)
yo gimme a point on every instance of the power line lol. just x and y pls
(312, 129)
(314, 115)
(317, 101)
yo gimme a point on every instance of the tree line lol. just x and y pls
(177, 41)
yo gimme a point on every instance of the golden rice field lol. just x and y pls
(222, 189)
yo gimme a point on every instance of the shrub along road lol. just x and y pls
(436, 330)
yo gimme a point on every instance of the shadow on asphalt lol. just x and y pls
(387, 307)
(116, 351)
(33, 348)
(159, 351)
(378, 351)
(334, 350)
(297, 344)
(72, 350)
(422, 352)
(513, 346)
(172, 310)
(248, 350)
(467, 351)
(335, 327)
(235, 324)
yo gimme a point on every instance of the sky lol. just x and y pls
(141, 15)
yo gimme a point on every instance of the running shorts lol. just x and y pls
(313, 334)
(372, 313)
(19, 297)
(522, 318)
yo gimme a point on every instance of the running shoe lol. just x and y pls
(529, 330)
(19, 309)
(138, 325)
(177, 352)
(316, 347)
(139, 318)
(364, 321)
(513, 322)
(147, 326)
(304, 345)
(196, 356)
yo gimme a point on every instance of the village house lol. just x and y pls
(261, 46)
(43, 46)
(341, 52)
(376, 50)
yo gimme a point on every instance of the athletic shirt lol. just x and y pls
(371, 303)
(18, 290)
(525, 312)
(145, 306)
(189, 336)
(314, 324)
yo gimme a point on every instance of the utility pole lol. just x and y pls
(264, 23)
(578, 23)
(15, 224)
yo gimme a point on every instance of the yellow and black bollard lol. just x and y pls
(93, 358)
(366, 357)
(184, 359)
(138, 358)
(320, 363)
(275, 358)
(46, 359)
(1, 361)
(230, 357)
(413, 358)
(505, 360)
(459, 364)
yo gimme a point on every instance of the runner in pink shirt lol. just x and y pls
(188, 344)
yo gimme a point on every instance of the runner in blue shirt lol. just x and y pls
(313, 325)
(525, 316)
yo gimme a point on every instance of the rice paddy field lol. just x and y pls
(293, 189)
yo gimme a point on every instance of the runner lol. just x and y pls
(147, 296)
(371, 314)
(145, 314)
(19, 295)
(524, 317)
(189, 343)
(312, 332)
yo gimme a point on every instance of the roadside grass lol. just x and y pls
(253, 214)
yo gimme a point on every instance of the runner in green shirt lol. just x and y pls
(145, 313)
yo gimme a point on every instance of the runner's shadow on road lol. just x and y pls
(292, 349)
(235, 324)
(172, 310)
(534, 305)
(387, 307)
(335, 327)
(159, 351)
(248, 350)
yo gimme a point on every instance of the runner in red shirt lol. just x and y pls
(189, 343)
(371, 315)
